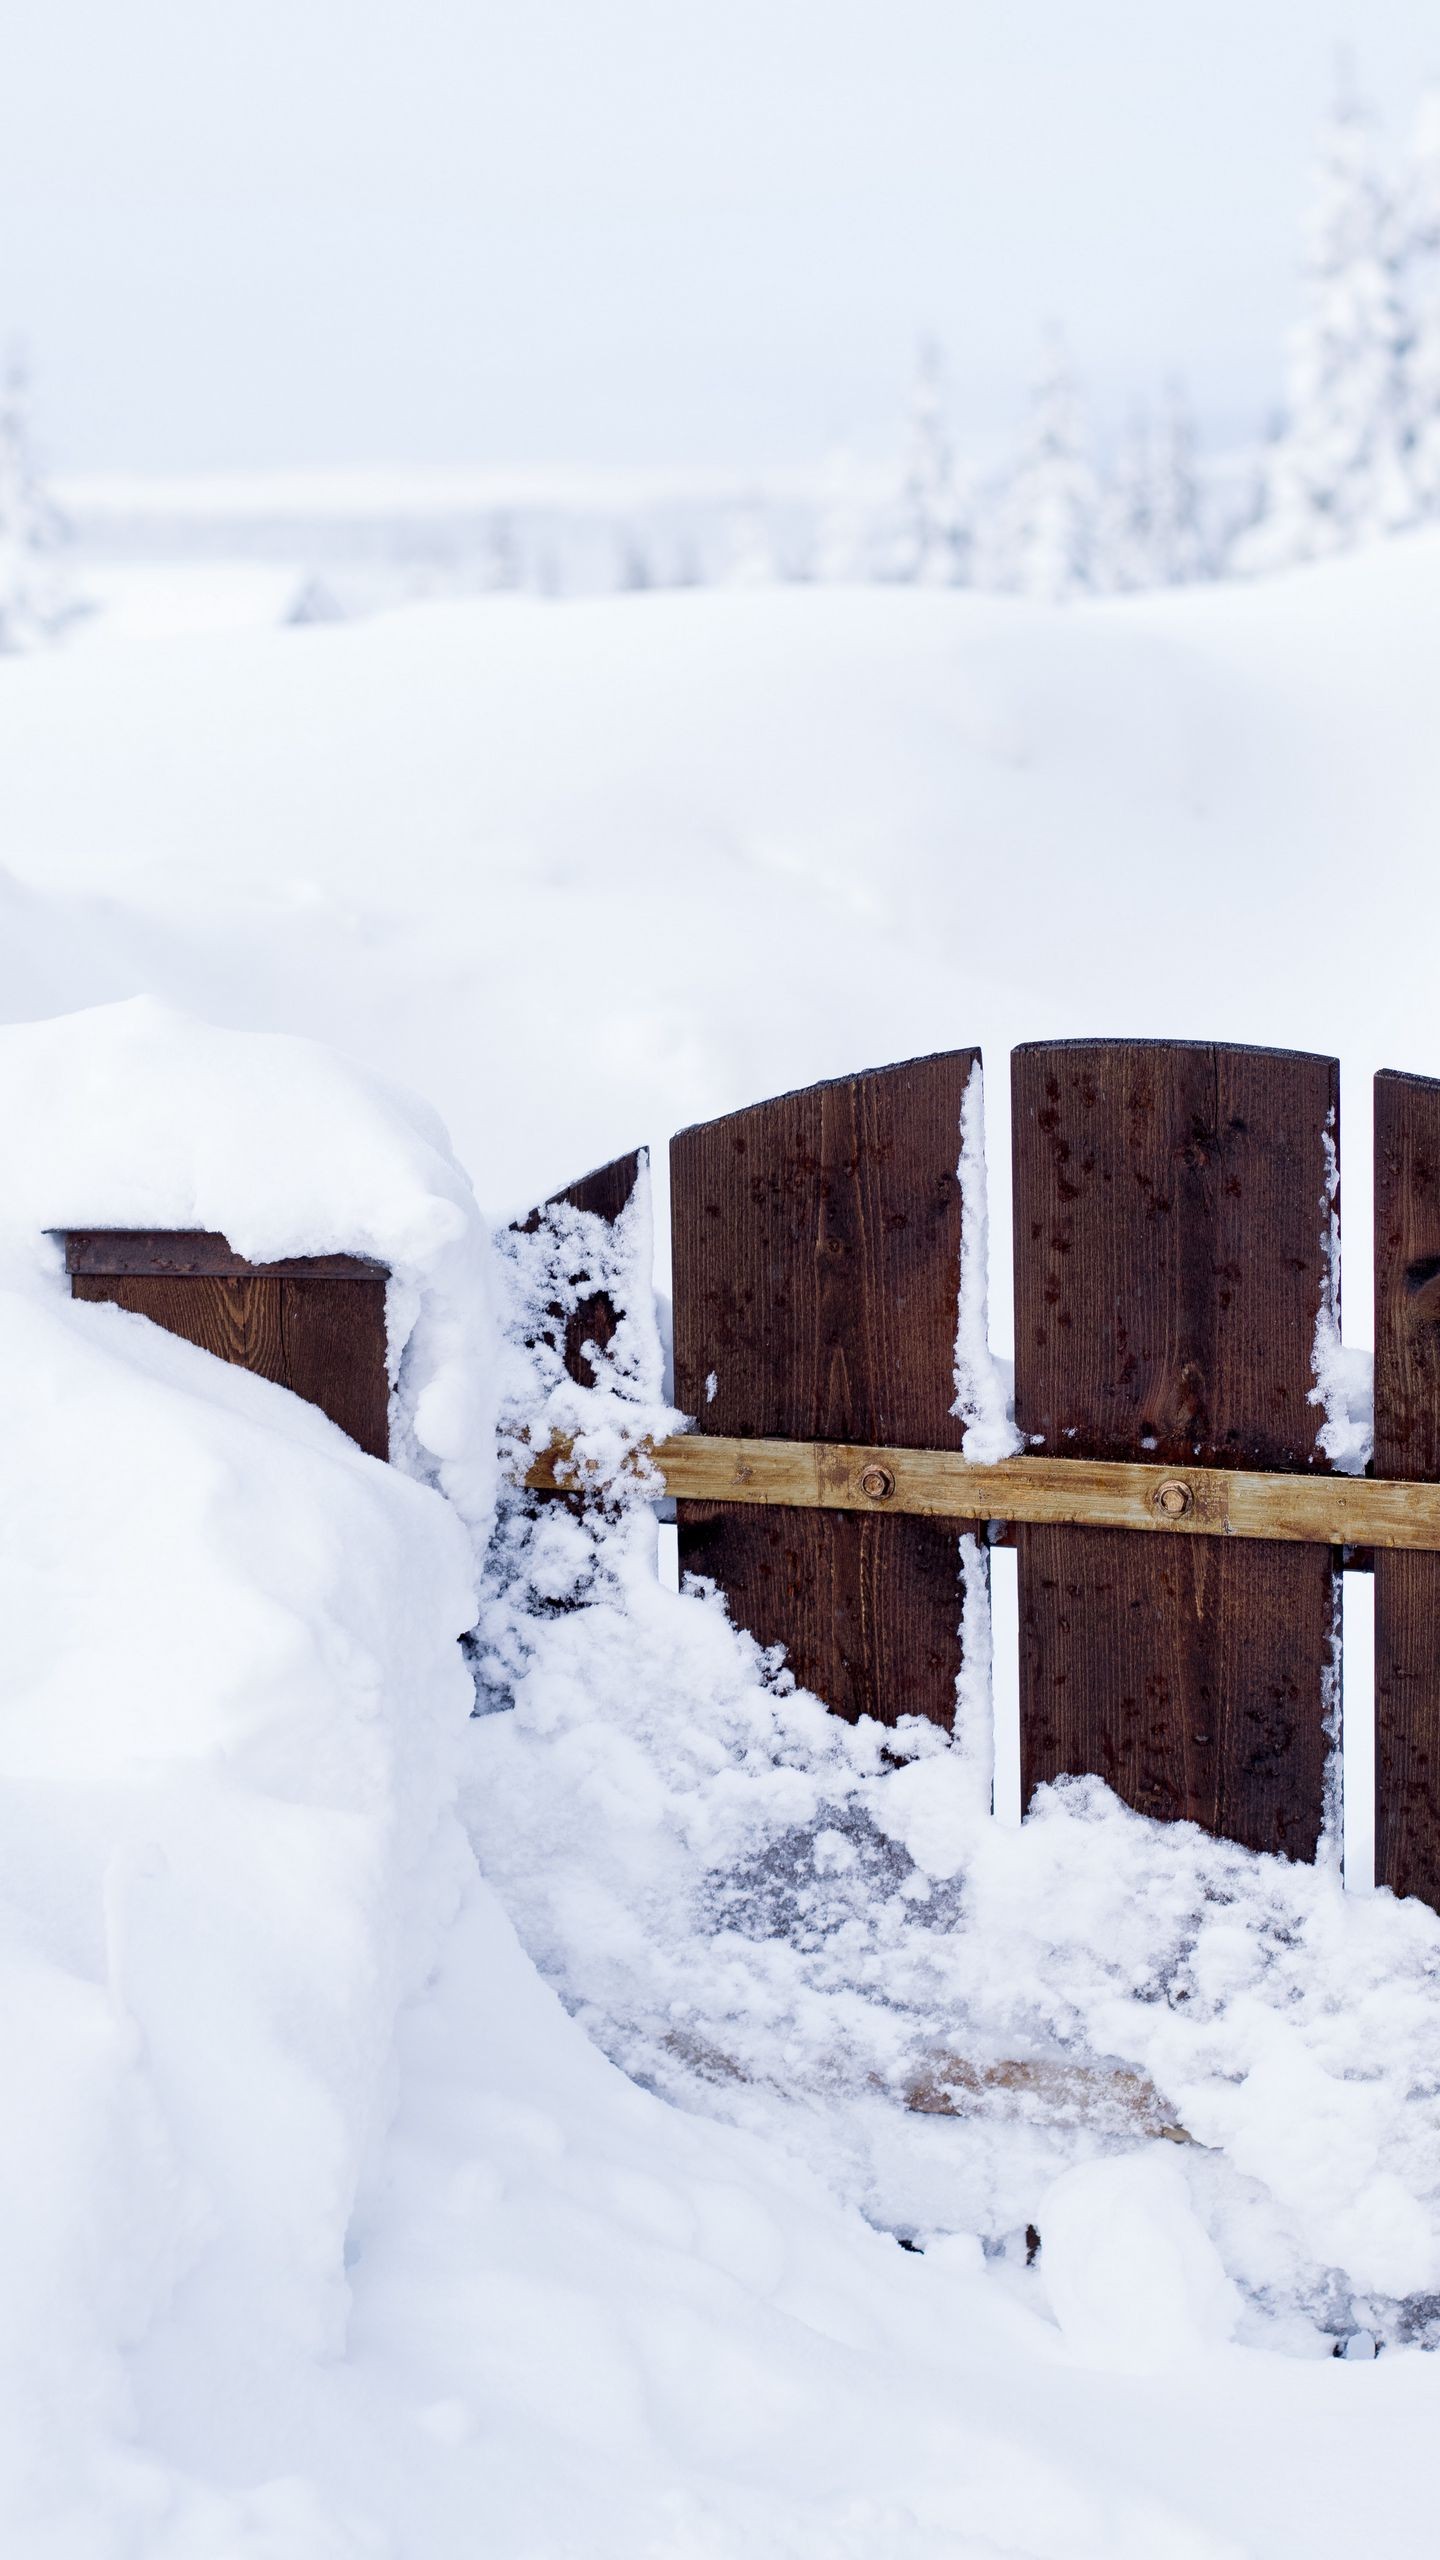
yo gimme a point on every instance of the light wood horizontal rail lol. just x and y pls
(1204, 1502)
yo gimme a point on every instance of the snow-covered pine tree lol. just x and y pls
(1123, 556)
(751, 558)
(36, 600)
(1040, 540)
(1420, 222)
(502, 567)
(1179, 547)
(1340, 473)
(313, 602)
(842, 549)
(933, 548)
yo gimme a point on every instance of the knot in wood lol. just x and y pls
(877, 1482)
(1173, 1499)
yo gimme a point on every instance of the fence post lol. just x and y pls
(1172, 1242)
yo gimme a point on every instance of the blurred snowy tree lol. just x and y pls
(751, 561)
(1179, 548)
(933, 549)
(36, 599)
(843, 549)
(1040, 538)
(314, 601)
(1341, 471)
(1124, 554)
(1420, 217)
(502, 568)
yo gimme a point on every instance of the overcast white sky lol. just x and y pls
(649, 231)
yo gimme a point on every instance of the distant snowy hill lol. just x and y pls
(632, 860)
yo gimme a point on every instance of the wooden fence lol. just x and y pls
(1180, 1537)
(315, 1325)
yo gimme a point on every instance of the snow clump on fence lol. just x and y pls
(137, 1115)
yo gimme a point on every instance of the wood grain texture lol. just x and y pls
(816, 1246)
(334, 1352)
(1407, 1444)
(186, 1254)
(323, 1338)
(1115, 1493)
(236, 1320)
(1171, 1225)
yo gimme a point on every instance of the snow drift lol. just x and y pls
(230, 1710)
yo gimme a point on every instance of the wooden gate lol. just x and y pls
(1180, 1535)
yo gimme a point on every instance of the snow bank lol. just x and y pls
(231, 1702)
(230, 1706)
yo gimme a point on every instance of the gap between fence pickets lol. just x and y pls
(1355, 1512)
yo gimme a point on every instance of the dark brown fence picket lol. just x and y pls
(1171, 1229)
(1407, 1446)
(816, 1244)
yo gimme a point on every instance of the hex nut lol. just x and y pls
(1173, 1498)
(877, 1482)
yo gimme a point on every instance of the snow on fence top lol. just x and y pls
(138, 1116)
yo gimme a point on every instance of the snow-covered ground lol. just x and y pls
(165, 600)
(330, 2233)
(631, 860)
